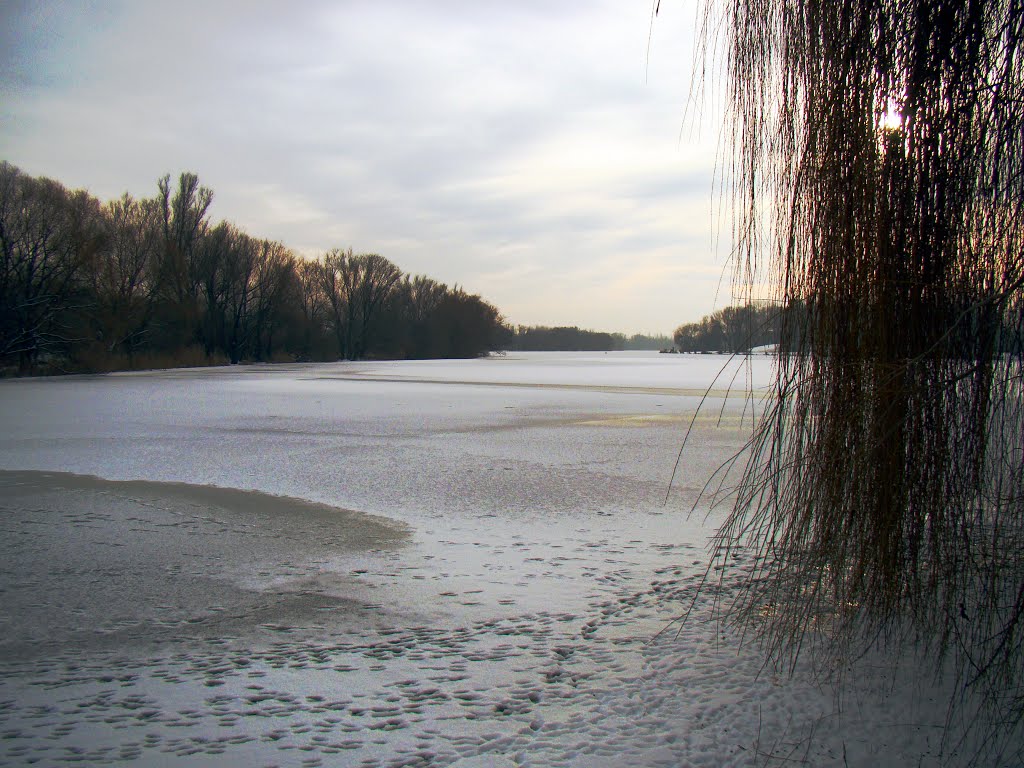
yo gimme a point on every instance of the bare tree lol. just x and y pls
(356, 287)
(224, 267)
(314, 307)
(273, 294)
(375, 279)
(185, 224)
(336, 280)
(239, 271)
(879, 180)
(81, 284)
(47, 236)
(124, 279)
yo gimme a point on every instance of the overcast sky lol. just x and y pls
(538, 153)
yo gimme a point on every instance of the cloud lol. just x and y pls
(504, 146)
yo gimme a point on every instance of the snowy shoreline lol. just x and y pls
(508, 610)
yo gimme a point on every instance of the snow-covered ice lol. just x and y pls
(466, 563)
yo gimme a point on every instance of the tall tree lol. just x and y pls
(356, 287)
(47, 237)
(275, 292)
(463, 325)
(237, 274)
(421, 298)
(336, 282)
(879, 171)
(124, 277)
(314, 334)
(374, 281)
(185, 224)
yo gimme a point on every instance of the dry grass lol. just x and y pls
(96, 359)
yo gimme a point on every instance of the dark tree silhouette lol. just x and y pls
(124, 276)
(879, 183)
(153, 283)
(732, 330)
(48, 237)
(564, 339)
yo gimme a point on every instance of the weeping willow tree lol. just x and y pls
(878, 185)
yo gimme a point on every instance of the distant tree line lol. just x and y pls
(738, 329)
(734, 329)
(91, 286)
(642, 341)
(539, 338)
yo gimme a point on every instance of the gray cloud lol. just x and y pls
(503, 146)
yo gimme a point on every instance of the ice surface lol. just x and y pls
(514, 617)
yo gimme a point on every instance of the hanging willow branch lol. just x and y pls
(878, 181)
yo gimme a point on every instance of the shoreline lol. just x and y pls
(93, 564)
(376, 528)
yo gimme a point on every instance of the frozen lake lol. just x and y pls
(472, 567)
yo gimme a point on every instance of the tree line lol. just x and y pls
(153, 282)
(733, 330)
(540, 338)
(739, 329)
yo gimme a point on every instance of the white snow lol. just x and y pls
(510, 614)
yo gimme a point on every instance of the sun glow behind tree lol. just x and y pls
(878, 180)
